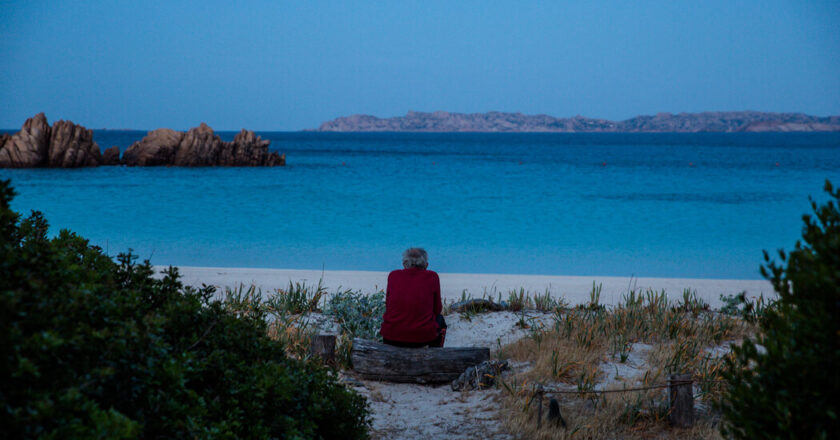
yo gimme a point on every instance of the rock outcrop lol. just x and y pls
(37, 145)
(29, 147)
(67, 145)
(198, 147)
(518, 122)
(111, 156)
(480, 376)
(156, 148)
(72, 146)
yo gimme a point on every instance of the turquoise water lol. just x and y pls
(662, 205)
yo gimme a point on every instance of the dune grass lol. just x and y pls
(290, 314)
(636, 344)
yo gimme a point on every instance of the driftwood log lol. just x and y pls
(376, 361)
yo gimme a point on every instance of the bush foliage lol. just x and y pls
(94, 348)
(358, 314)
(784, 384)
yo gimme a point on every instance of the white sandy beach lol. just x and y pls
(575, 289)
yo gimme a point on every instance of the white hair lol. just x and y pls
(415, 257)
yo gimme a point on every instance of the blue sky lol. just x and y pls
(283, 65)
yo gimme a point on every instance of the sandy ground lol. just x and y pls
(408, 411)
(575, 289)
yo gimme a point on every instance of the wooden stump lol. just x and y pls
(323, 346)
(682, 400)
(377, 361)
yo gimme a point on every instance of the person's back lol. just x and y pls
(412, 304)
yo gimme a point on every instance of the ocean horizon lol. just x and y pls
(700, 205)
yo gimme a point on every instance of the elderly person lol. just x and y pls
(412, 304)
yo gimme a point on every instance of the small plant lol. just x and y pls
(244, 302)
(358, 314)
(621, 347)
(545, 303)
(632, 299)
(656, 301)
(750, 310)
(595, 298)
(691, 303)
(299, 298)
(732, 304)
(523, 322)
(587, 379)
(518, 300)
(684, 356)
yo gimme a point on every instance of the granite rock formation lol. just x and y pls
(517, 122)
(72, 146)
(64, 145)
(27, 148)
(200, 146)
(67, 145)
(111, 156)
(158, 147)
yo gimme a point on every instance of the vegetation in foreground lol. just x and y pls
(784, 384)
(637, 344)
(94, 348)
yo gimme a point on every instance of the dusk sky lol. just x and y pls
(283, 65)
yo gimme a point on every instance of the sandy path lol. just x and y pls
(408, 411)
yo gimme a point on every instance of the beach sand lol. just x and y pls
(412, 411)
(575, 289)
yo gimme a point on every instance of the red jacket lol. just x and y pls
(412, 302)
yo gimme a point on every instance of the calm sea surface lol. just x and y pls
(662, 205)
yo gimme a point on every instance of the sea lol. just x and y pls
(704, 205)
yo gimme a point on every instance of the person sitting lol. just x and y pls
(412, 316)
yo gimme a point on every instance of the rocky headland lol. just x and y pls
(67, 145)
(724, 122)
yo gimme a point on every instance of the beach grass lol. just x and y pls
(637, 344)
(295, 313)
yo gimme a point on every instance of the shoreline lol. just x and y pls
(575, 289)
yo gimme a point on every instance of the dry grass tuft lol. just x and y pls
(643, 340)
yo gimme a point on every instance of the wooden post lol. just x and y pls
(539, 408)
(682, 400)
(554, 415)
(323, 346)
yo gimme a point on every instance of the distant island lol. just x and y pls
(725, 122)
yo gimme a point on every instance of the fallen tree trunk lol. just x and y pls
(377, 361)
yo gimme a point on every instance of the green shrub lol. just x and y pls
(94, 348)
(359, 315)
(784, 384)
